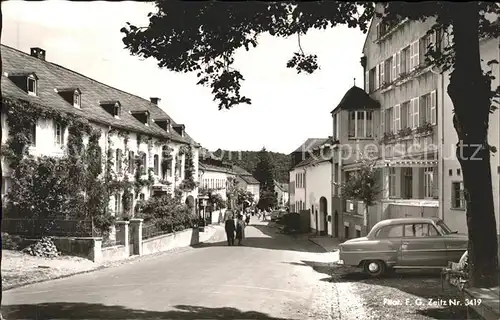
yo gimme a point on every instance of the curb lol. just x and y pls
(110, 264)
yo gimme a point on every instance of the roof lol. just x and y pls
(249, 179)
(282, 186)
(356, 98)
(316, 145)
(52, 76)
(241, 171)
(310, 144)
(211, 167)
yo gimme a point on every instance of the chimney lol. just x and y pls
(154, 100)
(38, 53)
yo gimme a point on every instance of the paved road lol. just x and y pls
(272, 276)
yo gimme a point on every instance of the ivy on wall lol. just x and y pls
(188, 184)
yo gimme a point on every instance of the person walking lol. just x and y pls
(240, 229)
(230, 229)
(247, 220)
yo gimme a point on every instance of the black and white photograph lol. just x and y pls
(286, 160)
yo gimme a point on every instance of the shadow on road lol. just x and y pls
(271, 240)
(66, 310)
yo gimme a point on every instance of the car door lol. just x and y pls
(388, 243)
(423, 246)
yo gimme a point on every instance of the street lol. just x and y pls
(272, 276)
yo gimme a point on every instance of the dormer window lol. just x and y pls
(27, 81)
(72, 95)
(113, 107)
(179, 128)
(142, 116)
(163, 123)
(32, 88)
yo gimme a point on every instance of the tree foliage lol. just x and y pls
(203, 38)
(362, 183)
(264, 174)
(248, 160)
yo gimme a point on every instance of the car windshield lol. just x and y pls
(443, 227)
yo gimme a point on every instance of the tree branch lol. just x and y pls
(300, 46)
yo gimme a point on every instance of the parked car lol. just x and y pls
(416, 243)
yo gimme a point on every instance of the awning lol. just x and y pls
(396, 163)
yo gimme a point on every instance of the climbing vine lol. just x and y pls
(188, 184)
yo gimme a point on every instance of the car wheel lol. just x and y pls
(374, 267)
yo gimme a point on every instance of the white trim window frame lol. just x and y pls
(395, 67)
(392, 182)
(77, 100)
(454, 199)
(31, 80)
(58, 134)
(376, 78)
(381, 73)
(367, 82)
(367, 129)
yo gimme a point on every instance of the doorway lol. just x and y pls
(336, 223)
(323, 203)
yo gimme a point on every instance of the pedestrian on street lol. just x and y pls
(230, 229)
(247, 220)
(240, 229)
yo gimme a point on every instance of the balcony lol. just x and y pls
(423, 130)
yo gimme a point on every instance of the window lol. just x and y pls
(424, 104)
(405, 60)
(407, 183)
(367, 81)
(395, 231)
(457, 195)
(143, 163)
(59, 134)
(117, 203)
(414, 55)
(377, 77)
(392, 182)
(429, 182)
(394, 67)
(389, 120)
(32, 137)
(381, 73)
(372, 78)
(389, 74)
(425, 42)
(156, 165)
(77, 102)
(360, 124)
(420, 230)
(142, 196)
(116, 111)
(131, 163)
(405, 114)
(118, 160)
(415, 118)
(397, 118)
(32, 88)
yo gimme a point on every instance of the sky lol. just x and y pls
(287, 108)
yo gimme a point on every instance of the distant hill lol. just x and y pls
(248, 161)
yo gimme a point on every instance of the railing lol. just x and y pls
(48, 227)
(152, 230)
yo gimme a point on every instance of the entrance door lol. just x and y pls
(324, 212)
(422, 245)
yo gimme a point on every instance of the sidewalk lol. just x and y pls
(326, 242)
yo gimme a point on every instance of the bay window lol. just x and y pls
(360, 124)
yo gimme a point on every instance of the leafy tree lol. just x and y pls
(264, 174)
(203, 38)
(362, 186)
(248, 161)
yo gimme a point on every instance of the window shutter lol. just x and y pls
(382, 72)
(367, 82)
(416, 59)
(397, 118)
(433, 115)
(411, 56)
(376, 77)
(394, 67)
(398, 64)
(415, 113)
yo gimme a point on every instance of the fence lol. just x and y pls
(152, 230)
(48, 227)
